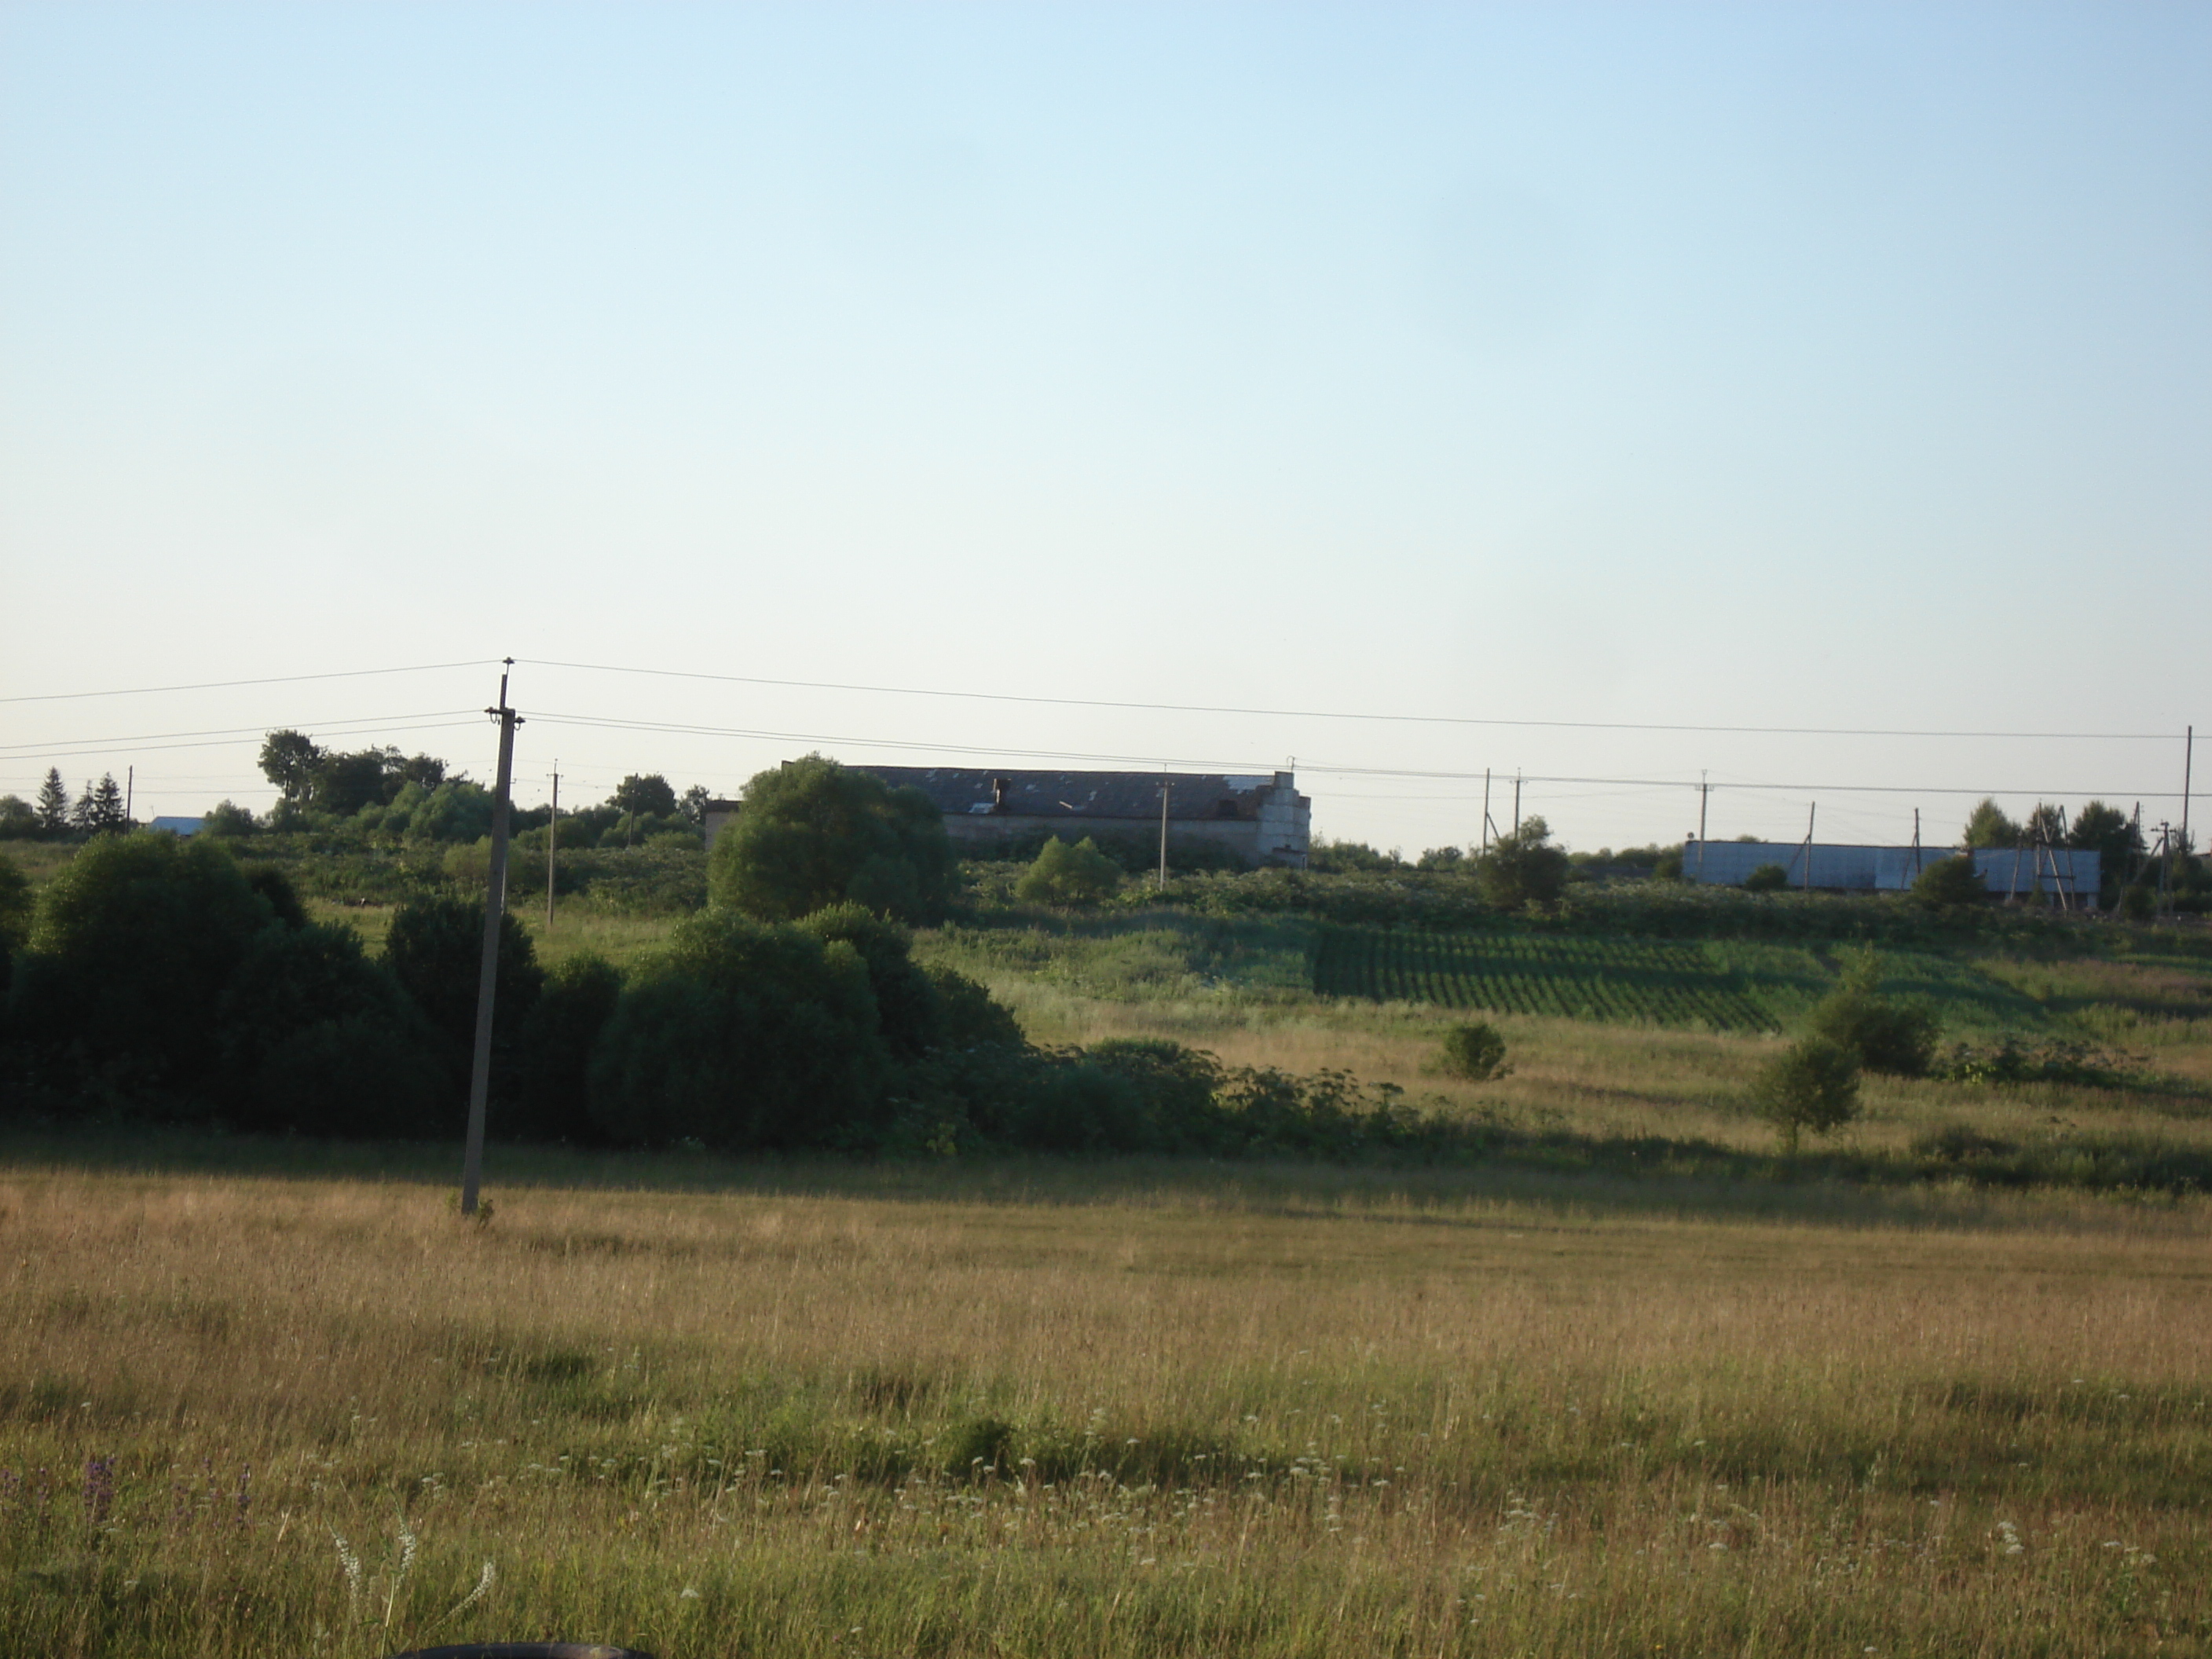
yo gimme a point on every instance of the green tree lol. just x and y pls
(1812, 1085)
(15, 911)
(1767, 878)
(692, 803)
(289, 760)
(2045, 826)
(1070, 877)
(318, 1038)
(132, 946)
(742, 1035)
(814, 833)
(1988, 826)
(436, 951)
(1440, 858)
(99, 810)
(554, 1102)
(227, 817)
(52, 806)
(1949, 883)
(1523, 867)
(18, 818)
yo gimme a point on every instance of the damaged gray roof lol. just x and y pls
(1083, 794)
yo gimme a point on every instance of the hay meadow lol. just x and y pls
(275, 1398)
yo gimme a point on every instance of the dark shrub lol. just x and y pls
(1767, 878)
(744, 1035)
(552, 1100)
(436, 951)
(130, 949)
(275, 886)
(1883, 1035)
(970, 1015)
(908, 1011)
(1474, 1051)
(317, 1037)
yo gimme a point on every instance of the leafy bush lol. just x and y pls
(909, 1014)
(814, 833)
(1813, 1084)
(1068, 876)
(1883, 1035)
(1767, 878)
(1474, 1051)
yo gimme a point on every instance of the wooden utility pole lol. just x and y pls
(1164, 787)
(1810, 812)
(552, 844)
(1486, 809)
(1516, 803)
(131, 790)
(487, 974)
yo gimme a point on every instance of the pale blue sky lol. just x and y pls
(1709, 365)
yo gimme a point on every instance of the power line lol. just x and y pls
(224, 685)
(1340, 714)
(1328, 768)
(371, 722)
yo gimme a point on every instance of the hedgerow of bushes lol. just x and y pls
(160, 979)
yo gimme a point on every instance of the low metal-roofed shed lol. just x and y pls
(1863, 869)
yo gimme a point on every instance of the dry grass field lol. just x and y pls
(276, 1399)
(1029, 1410)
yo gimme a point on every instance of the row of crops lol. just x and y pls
(1666, 982)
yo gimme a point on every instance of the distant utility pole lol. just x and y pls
(1705, 796)
(552, 844)
(1810, 812)
(1164, 787)
(131, 789)
(1916, 840)
(2188, 759)
(1517, 801)
(487, 974)
(1486, 809)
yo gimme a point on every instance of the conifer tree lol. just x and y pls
(52, 806)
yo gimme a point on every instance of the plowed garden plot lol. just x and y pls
(1666, 982)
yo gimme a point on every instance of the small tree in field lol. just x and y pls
(1064, 875)
(1476, 1052)
(1767, 878)
(1812, 1085)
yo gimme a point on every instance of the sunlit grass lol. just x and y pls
(1121, 1414)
